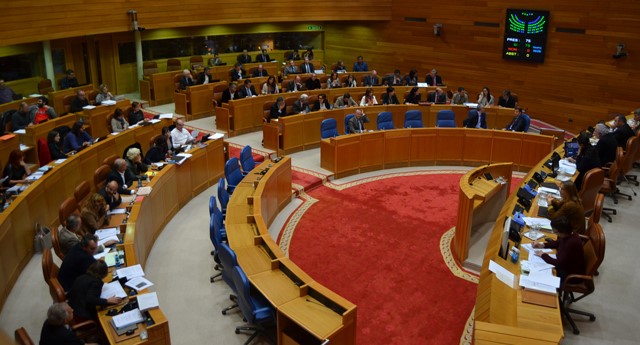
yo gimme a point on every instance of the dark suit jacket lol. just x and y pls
(472, 120)
(115, 176)
(433, 98)
(84, 296)
(429, 80)
(298, 107)
(244, 93)
(75, 264)
(517, 124)
(201, 78)
(607, 148)
(623, 134)
(275, 112)
(185, 82)
(354, 126)
(313, 84)
(509, 103)
(226, 96)
(307, 68)
(316, 105)
(390, 100)
(234, 74)
(77, 104)
(111, 201)
(291, 85)
(244, 59)
(56, 335)
(263, 58)
(370, 80)
(257, 73)
(585, 162)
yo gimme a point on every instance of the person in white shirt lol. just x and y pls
(181, 136)
(369, 98)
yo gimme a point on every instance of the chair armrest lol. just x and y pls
(577, 277)
(260, 310)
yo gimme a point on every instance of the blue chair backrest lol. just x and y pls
(212, 204)
(212, 233)
(232, 173)
(254, 309)
(346, 122)
(328, 128)
(527, 122)
(446, 118)
(385, 120)
(246, 159)
(223, 195)
(228, 260)
(413, 119)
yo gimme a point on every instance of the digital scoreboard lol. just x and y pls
(525, 35)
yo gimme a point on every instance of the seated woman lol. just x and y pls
(485, 98)
(135, 165)
(16, 170)
(586, 159)
(351, 81)
(368, 99)
(569, 206)
(412, 78)
(158, 152)
(104, 94)
(166, 134)
(569, 252)
(84, 296)
(414, 96)
(334, 81)
(118, 123)
(340, 67)
(270, 87)
(76, 138)
(94, 214)
(55, 148)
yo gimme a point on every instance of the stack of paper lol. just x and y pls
(112, 289)
(530, 249)
(502, 274)
(144, 191)
(118, 211)
(106, 235)
(129, 318)
(148, 301)
(215, 136)
(540, 281)
(130, 272)
(542, 223)
(102, 254)
(139, 283)
(567, 167)
(166, 116)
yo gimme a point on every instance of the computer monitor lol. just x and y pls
(504, 246)
(571, 149)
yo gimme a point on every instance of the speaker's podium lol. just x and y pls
(483, 192)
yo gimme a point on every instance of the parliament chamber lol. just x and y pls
(578, 85)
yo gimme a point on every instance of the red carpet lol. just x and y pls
(305, 180)
(377, 244)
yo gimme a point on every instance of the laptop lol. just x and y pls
(571, 149)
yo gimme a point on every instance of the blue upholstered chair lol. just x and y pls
(215, 240)
(256, 310)
(223, 196)
(346, 122)
(413, 119)
(328, 128)
(212, 204)
(446, 118)
(527, 122)
(229, 262)
(232, 174)
(385, 120)
(246, 160)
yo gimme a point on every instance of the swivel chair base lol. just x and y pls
(233, 299)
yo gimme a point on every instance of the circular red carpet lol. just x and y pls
(377, 244)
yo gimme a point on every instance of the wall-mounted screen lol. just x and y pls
(525, 35)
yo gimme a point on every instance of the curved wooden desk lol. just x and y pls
(307, 312)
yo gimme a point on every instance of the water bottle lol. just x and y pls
(118, 263)
(515, 254)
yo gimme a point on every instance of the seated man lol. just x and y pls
(371, 79)
(264, 57)
(230, 93)
(322, 103)
(607, 145)
(41, 112)
(340, 67)
(622, 131)
(360, 65)
(313, 82)
(79, 101)
(301, 106)
(21, 118)
(244, 57)
(295, 55)
(77, 260)
(135, 114)
(433, 79)
(260, 72)
(345, 101)
(295, 84)
(396, 78)
(6, 93)
(507, 101)
(306, 66)
(215, 60)
(390, 96)
(278, 109)
(248, 90)
(291, 68)
(69, 80)
(186, 80)
(111, 195)
(460, 97)
(180, 135)
(70, 235)
(477, 118)
(237, 73)
(205, 77)
(518, 123)
(122, 176)
(76, 138)
(56, 331)
(356, 123)
(437, 97)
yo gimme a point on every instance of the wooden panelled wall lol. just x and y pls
(579, 82)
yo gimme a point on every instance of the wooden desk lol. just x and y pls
(15, 105)
(352, 154)
(41, 130)
(56, 98)
(195, 102)
(307, 312)
(8, 143)
(96, 118)
(158, 88)
(479, 203)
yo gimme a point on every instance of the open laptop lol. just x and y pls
(571, 149)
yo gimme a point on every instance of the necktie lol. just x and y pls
(248, 91)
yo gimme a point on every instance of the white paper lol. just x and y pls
(34, 95)
(528, 283)
(108, 102)
(549, 191)
(110, 259)
(215, 136)
(115, 133)
(89, 107)
(139, 283)
(530, 236)
(148, 301)
(144, 191)
(536, 259)
(118, 211)
(536, 267)
(102, 254)
(134, 126)
(567, 167)
(502, 274)
(112, 289)
(154, 120)
(540, 222)
(107, 232)
(24, 147)
(130, 272)
(20, 131)
(531, 250)
(107, 239)
(166, 116)
(60, 161)
(159, 164)
(129, 318)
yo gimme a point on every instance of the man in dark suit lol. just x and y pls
(244, 57)
(356, 123)
(477, 118)
(56, 330)
(507, 101)
(607, 145)
(237, 72)
(371, 79)
(307, 67)
(622, 131)
(77, 260)
(247, 90)
(278, 109)
(79, 101)
(122, 176)
(437, 97)
(111, 195)
(322, 103)
(313, 82)
(186, 80)
(390, 97)
(230, 94)
(260, 72)
(433, 79)
(518, 123)
(205, 77)
(295, 84)
(264, 57)
(301, 106)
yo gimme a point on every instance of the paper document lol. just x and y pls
(102, 241)
(541, 283)
(536, 267)
(89, 107)
(112, 289)
(24, 147)
(537, 259)
(502, 274)
(118, 211)
(531, 236)
(471, 105)
(166, 116)
(108, 102)
(60, 161)
(144, 190)
(107, 232)
(130, 272)
(20, 131)
(567, 167)
(148, 301)
(541, 222)
(110, 259)
(549, 191)
(530, 249)
(102, 254)
(154, 120)
(139, 283)
(128, 318)
(34, 95)
(215, 136)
